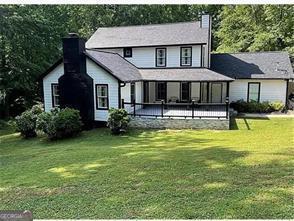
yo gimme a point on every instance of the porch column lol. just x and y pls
(228, 90)
(207, 92)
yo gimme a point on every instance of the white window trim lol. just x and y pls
(98, 107)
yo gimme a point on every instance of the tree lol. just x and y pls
(256, 28)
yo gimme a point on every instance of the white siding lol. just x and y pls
(51, 78)
(270, 90)
(173, 90)
(102, 77)
(126, 94)
(144, 57)
(195, 91)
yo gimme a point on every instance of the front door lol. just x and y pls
(216, 92)
(185, 91)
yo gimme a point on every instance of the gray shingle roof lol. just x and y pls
(182, 74)
(149, 35)
(267, 65)
(115, 64)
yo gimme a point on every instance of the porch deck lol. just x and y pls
(179, 111)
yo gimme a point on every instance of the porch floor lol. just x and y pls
(181, 111)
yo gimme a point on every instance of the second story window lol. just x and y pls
(128, 52)
(160, 57)
(186, 56)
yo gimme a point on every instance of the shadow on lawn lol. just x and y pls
(147, 174)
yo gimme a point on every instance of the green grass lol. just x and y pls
(241, 173)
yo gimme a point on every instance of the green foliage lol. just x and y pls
(255, 107)
(30, 36)
(118, 120)
(26, 122)
(256, 28)
(276, 106)
(60, 123)
(244, 173)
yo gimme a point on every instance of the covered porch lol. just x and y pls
(179, 93)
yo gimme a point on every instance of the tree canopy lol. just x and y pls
(30, 36)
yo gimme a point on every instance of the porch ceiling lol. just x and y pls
(182, 74)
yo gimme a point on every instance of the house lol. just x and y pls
(164, 75)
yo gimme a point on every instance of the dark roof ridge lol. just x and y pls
(169, 23)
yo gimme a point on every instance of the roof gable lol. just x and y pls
(149, 35)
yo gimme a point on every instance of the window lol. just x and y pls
(133, 92)
(127, 52)
(253, 92)
(186, 56)
(101, 96)
(55, 95)
(160, 57)
(160, 91)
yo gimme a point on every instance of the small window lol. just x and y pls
(253, 92)
(55, 95)
(160, 57)
(127, 52)
(102, 96)
(133, 92)
(186, 56)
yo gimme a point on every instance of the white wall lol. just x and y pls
(173, 90)
(195, 90)
(51, 78)
(144, 57)
(100, 76)
(126, 94)
(270, 90)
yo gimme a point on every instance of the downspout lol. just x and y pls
(287, 90)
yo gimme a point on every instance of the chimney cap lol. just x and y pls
(73, 35)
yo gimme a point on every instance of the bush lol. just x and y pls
(60, 123)
(118, 120)
(276, 106)
(255, 107)
(26, 122)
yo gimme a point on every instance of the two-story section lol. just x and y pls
(175, 45)
(173, 59)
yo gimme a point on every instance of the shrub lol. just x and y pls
(60, 123)
(276, 106)
(255, 107)
(118, 120)
(26, 122)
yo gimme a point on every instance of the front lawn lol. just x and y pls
(241, 173)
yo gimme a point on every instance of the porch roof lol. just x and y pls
(182, 74)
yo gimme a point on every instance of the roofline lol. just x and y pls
(251, 52)
(91, 49)
(51, 68)
(144, 46)
(101, 65)
(189, 80)
(158, 24)
(271, 78)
